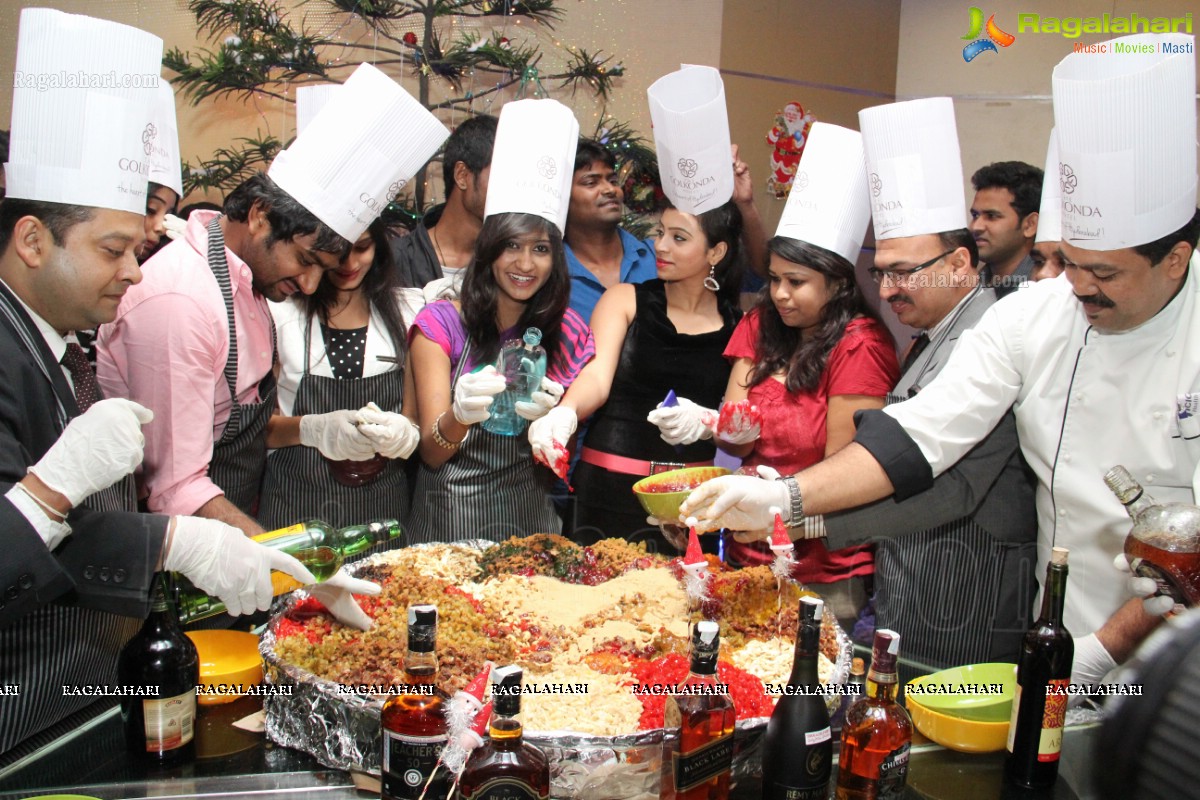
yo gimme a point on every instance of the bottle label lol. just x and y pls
(1167, 586)
(169, 721)
(816, 737)
(1054, 715)
(506, 789)
(408, 761)
(270, 536)
(797, 793)
(703, 763)
(893, 773)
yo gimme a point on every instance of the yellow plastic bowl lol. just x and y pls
(996, 683)
(226, 657)
(956, 733)
(662, 494)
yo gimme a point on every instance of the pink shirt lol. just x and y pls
(167, 349)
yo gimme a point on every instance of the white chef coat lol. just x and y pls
(1035, 351)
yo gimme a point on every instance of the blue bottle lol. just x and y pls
(522, 362)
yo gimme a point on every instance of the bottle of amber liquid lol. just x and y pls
(506, 767)
(697, 762)
(414, 723)
(160, 728)
(1043, 673)
(873, 764)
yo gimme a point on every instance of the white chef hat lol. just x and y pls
(1126, 123)
(829, 206)
(309, 102)
(358, 152)
(165, 168)
(533, 161)
(691, 137)
(914, 171)
(83, 90)
(1049, 227)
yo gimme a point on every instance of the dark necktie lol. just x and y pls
(87, 390)
(918, 346)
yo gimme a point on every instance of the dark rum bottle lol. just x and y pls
(506, 767)
(873, 764)
(1040, 704)
(414, 722)
(798, 748)
(700, 718)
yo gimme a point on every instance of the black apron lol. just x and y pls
(298, 484)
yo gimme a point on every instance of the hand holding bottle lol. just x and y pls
(541, 401)
(337, 595)
(1155, 604)
(684, 423)
(336, 436)
(393, 435)
(473, 395)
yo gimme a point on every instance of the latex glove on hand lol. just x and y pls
(739, 423)
(548, 436)
(684, 423)
(541, 401)
(393, 435)
(336, 436)
(337, 595)
(174, 226)
(473, 395)
(1155, 604)
(737, 502)
(96, 449)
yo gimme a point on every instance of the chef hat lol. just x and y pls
(1050, 214)
(691, 137)
(309, 102)
(1126, 125)
(828, 205)
(914, 171)
(358, 152)
(164, 155)
(533, 161)
(83, 91)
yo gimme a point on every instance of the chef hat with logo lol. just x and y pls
(533, 161)
(691, 137)
(1126, 125)
(83, 91)
(165, 168)
(829, 206)
(356, 155)
(1049, 227)
(914, 171)
(309, 102)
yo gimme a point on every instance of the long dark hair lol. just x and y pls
(544, 310)
(784, 348)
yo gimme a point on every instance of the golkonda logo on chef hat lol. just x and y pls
(546, 167)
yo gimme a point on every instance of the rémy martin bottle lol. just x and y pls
(1043, 673)
(798, 747)
(506, 767)
(877, 735)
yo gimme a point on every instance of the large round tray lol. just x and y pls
(342, 730)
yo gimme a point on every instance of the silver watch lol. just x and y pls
(796, 501)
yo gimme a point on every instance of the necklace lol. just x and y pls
(441, 258)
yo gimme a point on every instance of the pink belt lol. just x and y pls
(632, 466)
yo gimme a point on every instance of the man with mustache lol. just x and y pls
(1004, 220)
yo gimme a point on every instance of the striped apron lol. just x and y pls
(490, 489)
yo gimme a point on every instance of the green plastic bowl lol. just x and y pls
(662, 494)
(982, 692)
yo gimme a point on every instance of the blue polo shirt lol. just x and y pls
(637, 265)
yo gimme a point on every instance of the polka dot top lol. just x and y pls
(345, 350)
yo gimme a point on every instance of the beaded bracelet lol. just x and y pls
(442, 441)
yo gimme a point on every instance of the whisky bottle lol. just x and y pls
(876, 738)
(160, 728)
(414, 722)
(506, 767)
(798, 747)
(1043, 673)
(1164, 543)
(856, 687)
(699, 718)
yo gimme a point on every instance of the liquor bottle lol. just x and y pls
(414, 722)
(160, 728)
(876, 738)
(698, 760)
(798, 748)
(1043, 673)
(1164, 543)
(522, 362)
(506, 767)
(856, 687)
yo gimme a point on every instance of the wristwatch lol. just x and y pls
(796, 501)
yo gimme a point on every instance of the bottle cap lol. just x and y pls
(884, 655)
(858, 666)
(1058, 555)
(506, 690)
(811, 609)
(532, 337)
(422, 628)
(706, 642)
(1123, 485)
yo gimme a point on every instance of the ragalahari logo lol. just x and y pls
(994, 37)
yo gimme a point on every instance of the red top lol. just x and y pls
(863, 362)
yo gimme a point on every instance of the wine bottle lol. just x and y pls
(506, 767)
(522, 362)
(873, 764)
(160, 728)
(1043, 673)
(798, 747)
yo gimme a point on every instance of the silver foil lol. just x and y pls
(342, 730)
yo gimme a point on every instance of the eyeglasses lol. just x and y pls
(903, 276)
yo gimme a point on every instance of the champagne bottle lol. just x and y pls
(160, 728)
(1043, 673)
(798, 747)
(522, 362)
(873, 764)
(506, 767)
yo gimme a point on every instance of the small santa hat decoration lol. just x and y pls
(459, 748)
(781, 545)
(694, 560)
(467, 701)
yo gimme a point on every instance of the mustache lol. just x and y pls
(901, 298)
(1098, 299)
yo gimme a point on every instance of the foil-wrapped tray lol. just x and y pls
(342, 730)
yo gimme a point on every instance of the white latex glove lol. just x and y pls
(337, 595)
(739, 429)
(541, 402)
(737, 502)
(96, 449)
(684, 423)
(1091, 663)
(1154, 603)
(174, 226)
(393, 435)
(336, 436)
(473, 394)
(548, 437)
(222, 561)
